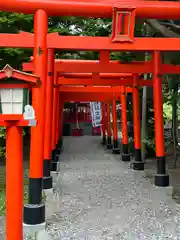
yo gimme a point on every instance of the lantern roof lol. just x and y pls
(9, 72)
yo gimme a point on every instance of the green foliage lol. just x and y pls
(167, 112)
(2, 141)
(14, 23)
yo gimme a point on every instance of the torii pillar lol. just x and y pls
(138, 164)
(60, 130)
(109, 133)
(59, 139)
(54, 125)
(115, 150)
(103, 125)
(125, 156)
(34, 211)
(162, 177)
(47, 178)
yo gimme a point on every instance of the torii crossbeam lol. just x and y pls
(54, 41)
(144, 9)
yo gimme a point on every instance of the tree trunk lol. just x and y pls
(164, 31)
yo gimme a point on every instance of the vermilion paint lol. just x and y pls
(124, 116)
(115, 132)
(158, 106)
(109, 133)
(144, 9)
(38, 94)
(49, 106)
(136, 114)
(14, 182)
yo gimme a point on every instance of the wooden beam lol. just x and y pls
(114, 69)
(26, 40)
(90, 8)
(101, 75)
(105, 68)
(89, 97)
(104, 43)
(101, 82)
(28, 67)
(83, 97)
(90, 89)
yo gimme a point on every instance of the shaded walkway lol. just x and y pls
(102, 198)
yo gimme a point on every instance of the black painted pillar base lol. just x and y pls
(125, 148)
(60, 143)
(59, 146)
(34, 211)
(115, 150)
(34, 214)
(55, 156)
(138, 164)
(47, 182)
(103, 140)
(137, 155)
(54, 166)
(161, 178)
(47, 179)
(55, 159)
(109, 143)
(125, 156)
(58, 150)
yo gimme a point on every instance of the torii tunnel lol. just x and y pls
(103, 80)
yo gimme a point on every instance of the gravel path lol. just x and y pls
(102, 198)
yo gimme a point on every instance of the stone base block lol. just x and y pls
(58, 166)
(52, 201)
(55, 175)
(33, 228)
(35, 232)
(139, 173)
(165, 190)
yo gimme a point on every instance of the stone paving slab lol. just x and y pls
(102, 198)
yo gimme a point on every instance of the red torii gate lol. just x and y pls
(104, 95)
(95, 78)
(116, 68)
(34, 213)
